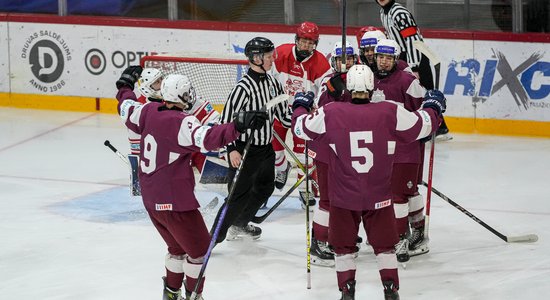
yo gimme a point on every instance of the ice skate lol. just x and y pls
(417, 243)
(442, 135)
(312, 200)
(402, 250)
(390, 291)
(348, 292)
(320, 254)
(170, 294)
(282, 176)
(247, 232)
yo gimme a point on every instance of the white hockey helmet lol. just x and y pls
(337, 52)
(388, 47)
(177, 88)
(371, 38)
(146, 80)
(360, 79)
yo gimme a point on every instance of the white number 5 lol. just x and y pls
(361, 152)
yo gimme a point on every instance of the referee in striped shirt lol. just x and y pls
(401, 27)
(256, 180)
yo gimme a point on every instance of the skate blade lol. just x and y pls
(242, 238)
(443, 137)
(322, 263)
(418, 251)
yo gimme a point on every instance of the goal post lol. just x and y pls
(212, 77)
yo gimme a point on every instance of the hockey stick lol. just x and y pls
(344, 48)
(271, 103)
(308, 236)
(294, 157)
(527, 238)
(120, 155)
(260, 219)
(434, 59)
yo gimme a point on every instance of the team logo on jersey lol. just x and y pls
(272, 91)
(378, 96)
(382, 204)
(162, 207)
(409, 185)
(311, 153)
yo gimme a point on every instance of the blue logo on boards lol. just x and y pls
(519, 80)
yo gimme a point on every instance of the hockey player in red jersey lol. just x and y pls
(404, 88)
(362, 136)
(300, 68)
(169, 135)
(333, 90)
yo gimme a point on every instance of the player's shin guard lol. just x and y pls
(417, 243)
(387, 266)
(345, 269)
(174, 270)
(192, 267)
(321, 254)
(401, 214)
(312, 187)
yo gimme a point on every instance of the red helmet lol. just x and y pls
(308, 30)
(362, 31)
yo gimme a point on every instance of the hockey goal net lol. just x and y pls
(212, 77)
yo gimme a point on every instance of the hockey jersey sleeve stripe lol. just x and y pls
(407, 32)
(309, 126)
(187, 128)
(427, 127)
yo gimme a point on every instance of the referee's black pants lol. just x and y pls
(255, 185)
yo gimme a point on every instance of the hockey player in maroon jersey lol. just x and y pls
(404, 88)
(366, 50)
(333, 90)
(169, 135)
(362, 137)
(299, 67)
(149, 81)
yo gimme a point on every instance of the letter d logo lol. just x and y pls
(46, 60)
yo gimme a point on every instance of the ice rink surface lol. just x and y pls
(70, 230)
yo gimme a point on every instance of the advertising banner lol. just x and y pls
(481, 79)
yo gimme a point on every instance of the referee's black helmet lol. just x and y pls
(258, 45)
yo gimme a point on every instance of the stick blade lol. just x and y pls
(422, 47)
(528, 238)
(276, 100)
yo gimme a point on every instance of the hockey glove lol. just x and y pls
(336, 85)
(435, 100)
(253, 119)
(304, 100)
(129, 77)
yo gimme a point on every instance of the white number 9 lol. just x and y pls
(149, 150)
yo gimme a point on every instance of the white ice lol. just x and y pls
(69, 230)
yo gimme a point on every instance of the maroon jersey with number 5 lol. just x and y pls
(362, 138)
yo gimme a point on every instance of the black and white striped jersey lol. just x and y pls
(401, 27)
(252, 92)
